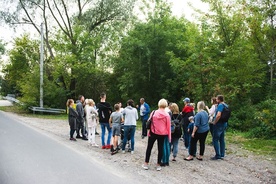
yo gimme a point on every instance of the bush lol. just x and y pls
(241, 119)
(258, 120)
(265, 118)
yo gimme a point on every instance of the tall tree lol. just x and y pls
(77, 23)
(142, 67)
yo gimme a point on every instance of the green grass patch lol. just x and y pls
(255, 145)
(27, 113)
(265, 147)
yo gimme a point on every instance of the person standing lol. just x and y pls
(72, 118)
(144, 110)
(160, 128)
(178, 130)
(187, 111)
(219, 130)
(104, 110)
(200, 131)
(190, 131)
(131, 117)
(91, 119)
(212, 112)
(115, 120)
(80, 119)
(166, 147)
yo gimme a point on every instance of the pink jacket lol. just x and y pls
(161, 124)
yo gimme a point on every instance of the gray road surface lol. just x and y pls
(28, 157)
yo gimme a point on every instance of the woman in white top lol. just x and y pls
(91, 119)
(211, 113)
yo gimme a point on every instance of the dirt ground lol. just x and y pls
(239, 165)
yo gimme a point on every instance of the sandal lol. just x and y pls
(199, 158)
(188, 159)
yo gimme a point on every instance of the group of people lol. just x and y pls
(84, 119)
(188, 126)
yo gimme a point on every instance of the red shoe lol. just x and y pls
(107, 146)
(103, 147)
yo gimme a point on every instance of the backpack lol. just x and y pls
(175, 124)
(225, 114)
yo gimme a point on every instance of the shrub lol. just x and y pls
(265, 120)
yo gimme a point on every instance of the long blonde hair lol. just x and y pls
(174, 108)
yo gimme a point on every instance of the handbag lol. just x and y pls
(210, 120)
(149, 122)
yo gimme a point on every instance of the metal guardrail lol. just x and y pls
(13, 100)
(50, 110)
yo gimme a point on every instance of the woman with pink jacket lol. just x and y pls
(160, 127)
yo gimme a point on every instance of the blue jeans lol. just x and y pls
(129, 129)
(166, 151)
(174, 146)
(106, 126)
(186, 136)
(218, 139)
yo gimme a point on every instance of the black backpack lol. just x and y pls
(176, 124)
(225, 114)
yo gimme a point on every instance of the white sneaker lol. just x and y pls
(95, 145)
(146, 167)
(158, 168)
(123, 151)
(132, 152)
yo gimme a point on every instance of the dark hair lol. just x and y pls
(214, 100)
(80, 96)
(102, 95)
(220, 98)
(130, 102)
(116, 107)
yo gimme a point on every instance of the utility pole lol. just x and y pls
(41, 65)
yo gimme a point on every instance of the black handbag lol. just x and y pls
(149, 122)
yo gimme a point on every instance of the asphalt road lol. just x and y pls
(28, 157)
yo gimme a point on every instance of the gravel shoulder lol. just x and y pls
(239, 165)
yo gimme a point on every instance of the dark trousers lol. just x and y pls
(160, 143)
(80, 128)
(144, 128)
(201, 137)
(72, 131)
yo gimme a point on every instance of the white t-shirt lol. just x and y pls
(142, 110)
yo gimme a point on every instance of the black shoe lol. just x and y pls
(79, 137)
(162, 164)
(215, 158)
(96, 133)
(84, 138)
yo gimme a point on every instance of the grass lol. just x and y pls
(255, 145)
(22, 112)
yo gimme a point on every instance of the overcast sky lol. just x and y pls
(179, 8)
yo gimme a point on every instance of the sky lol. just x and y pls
(179, 8)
